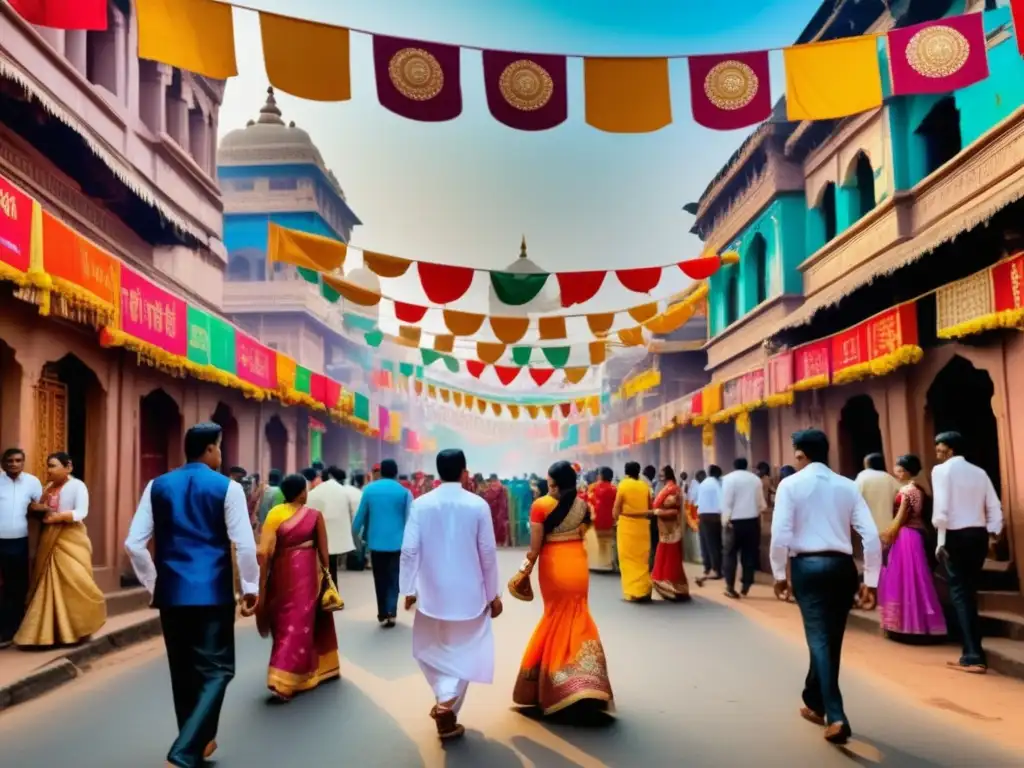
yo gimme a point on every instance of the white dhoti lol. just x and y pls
(453, 654)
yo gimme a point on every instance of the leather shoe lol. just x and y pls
(838, 733)
(811, 716)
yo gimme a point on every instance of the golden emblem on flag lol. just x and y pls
(416, 74)
(731, 85)
(937, 51)
(526, 85)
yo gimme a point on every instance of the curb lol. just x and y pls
(77, 661)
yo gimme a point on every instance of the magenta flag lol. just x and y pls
(938, 56)
(419, 81)
(730, 91)
(526, 91)
(383, 420)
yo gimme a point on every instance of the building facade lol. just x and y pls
(872, 250)
(122, 153)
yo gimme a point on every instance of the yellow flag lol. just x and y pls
(194, 35)
(301, 249)
(627, 95)
(306, 59)
(833, 79)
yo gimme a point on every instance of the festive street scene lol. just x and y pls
(553, 384)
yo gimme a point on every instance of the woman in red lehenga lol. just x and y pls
(668, 575)
(293, 560)
(497, 499)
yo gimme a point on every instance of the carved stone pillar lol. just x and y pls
(154, 80)
(119, 34)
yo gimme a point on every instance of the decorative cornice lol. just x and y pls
(750, 331)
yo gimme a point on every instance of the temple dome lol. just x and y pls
(269, 141)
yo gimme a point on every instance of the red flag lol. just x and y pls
(579, 287)
(419, 81)
(506, 373)
(409, 313)
(540, 376)
(938, 56)
(526, 91)
(1017, 11)
(641, 280)
(730, 91)
(64, 14)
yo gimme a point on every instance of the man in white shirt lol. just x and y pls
(709, 517)
(449, 571)
(814, 512)
(18, 492)
(335, 504)
(742, 505)
(879, 489)
(968, 517)
(194, 515)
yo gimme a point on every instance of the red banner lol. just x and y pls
(779, 374)
(697, 403)
(15, 226)
(884, 334)
(812, 362)
(849, 348)
(69, 256)
(152, 315)
(752, 387)
(256, 363)
(1007, 280)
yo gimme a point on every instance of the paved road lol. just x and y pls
(696, 685)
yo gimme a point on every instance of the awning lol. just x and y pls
(954, 223)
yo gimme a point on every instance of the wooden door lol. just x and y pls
(52, 420)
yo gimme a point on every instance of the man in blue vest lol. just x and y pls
(194, 514)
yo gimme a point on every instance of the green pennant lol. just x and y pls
(374, 338)
(451, 363)
(387, 365)
(309, 275)
(359, 323)
(429, 356)
(222, 345)
(406, 369)
(329, 293)
(361, 407)
(302, 379)
(516, 290)
(557, 356)
(419, 371)
(521, 355)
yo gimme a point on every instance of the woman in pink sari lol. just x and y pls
(293, 560)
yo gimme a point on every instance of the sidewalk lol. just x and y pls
(991, 703)
(25, 675)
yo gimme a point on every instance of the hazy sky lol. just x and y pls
(464, 192)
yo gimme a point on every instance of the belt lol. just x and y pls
(825, 553)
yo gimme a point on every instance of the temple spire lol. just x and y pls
(522, 248)
(270, 113)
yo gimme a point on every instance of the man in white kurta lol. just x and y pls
(335, 504)
(449, 571)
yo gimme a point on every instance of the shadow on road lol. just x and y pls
(476, 750)
(385, 653)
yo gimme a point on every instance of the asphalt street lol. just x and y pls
(696, 684)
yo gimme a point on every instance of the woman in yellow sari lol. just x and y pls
(564, 663)
(293, 563)
(64, 606)
(632, 514)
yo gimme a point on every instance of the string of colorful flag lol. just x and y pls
(444, 284)
(421, 80)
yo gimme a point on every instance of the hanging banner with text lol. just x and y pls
(152, 315)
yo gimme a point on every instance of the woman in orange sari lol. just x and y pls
(564, 663)
(293, 561)
(668, 574)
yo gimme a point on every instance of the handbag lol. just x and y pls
(520, 588)
(330, 598)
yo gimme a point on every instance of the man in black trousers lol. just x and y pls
(742, 504)
(193, 515)
(815, 510)
(968, 518)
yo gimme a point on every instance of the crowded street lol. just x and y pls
(695, 684)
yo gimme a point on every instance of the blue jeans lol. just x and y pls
(386, 567)
(824, 586)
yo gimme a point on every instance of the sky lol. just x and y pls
(466, 191)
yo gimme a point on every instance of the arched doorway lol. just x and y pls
(960, 400)
(864, 181)
(732, 298)
(160, 435)
(940, 133)
(10, 397)
(827, 211)
(229, 436)
(759, 262)
(277, 441)
(859, 434)
(69, 414)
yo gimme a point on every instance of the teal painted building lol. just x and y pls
(921, 134)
